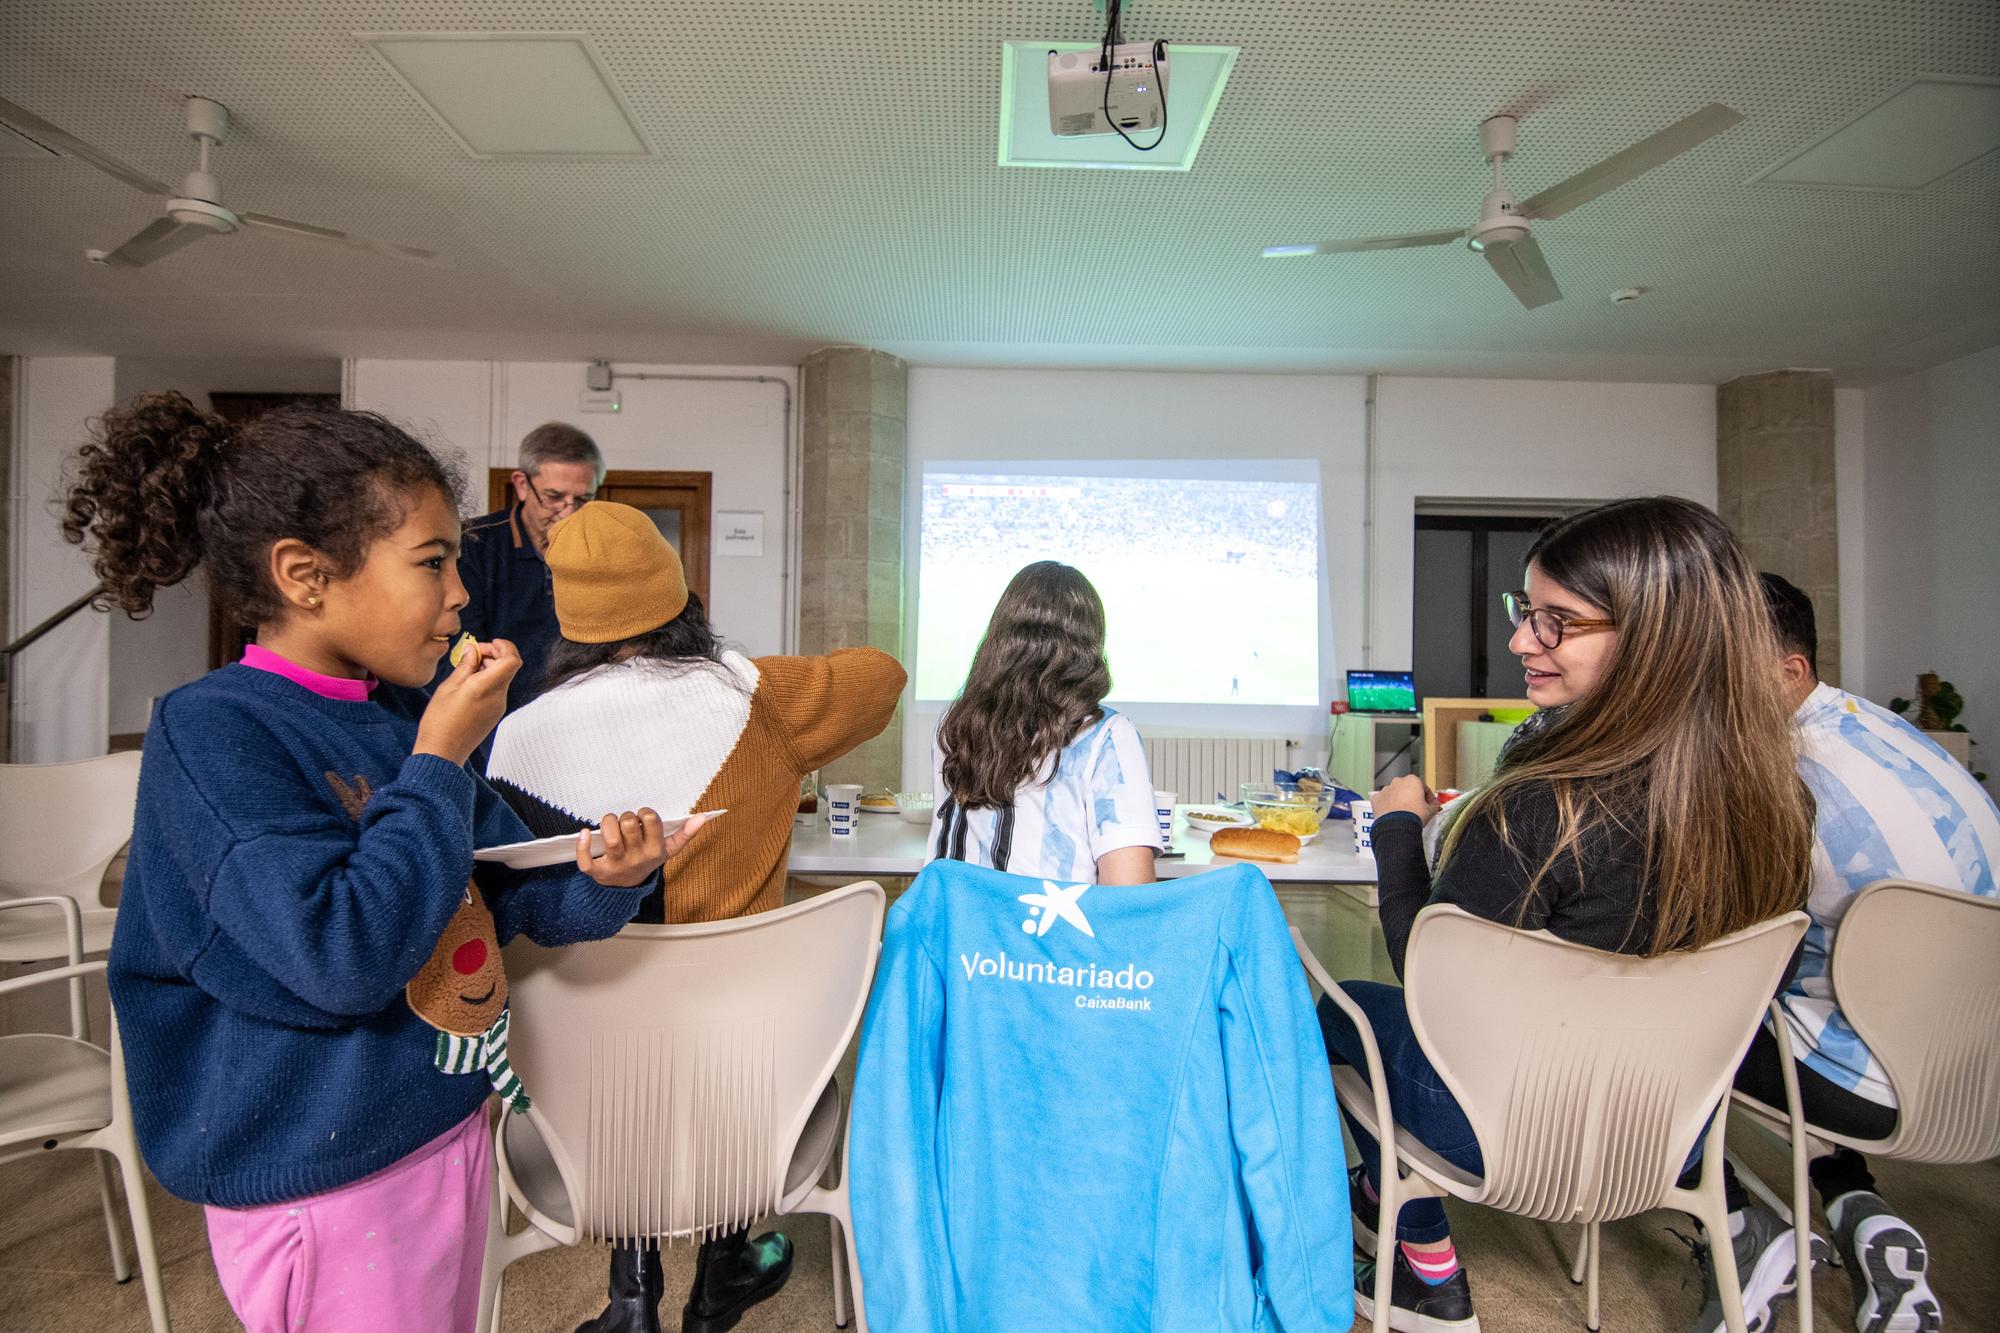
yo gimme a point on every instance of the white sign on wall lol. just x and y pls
(739, 532)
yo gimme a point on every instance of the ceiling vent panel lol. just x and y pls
(514, 95)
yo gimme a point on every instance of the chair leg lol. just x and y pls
(1387, 1212)
(134, 1178)
(1728, 1283)
(121, 1264)
(837, 1253)
(1592, 1244)
(1578, 1268)
(1802, 1233)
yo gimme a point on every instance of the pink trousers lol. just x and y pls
(397, 1250)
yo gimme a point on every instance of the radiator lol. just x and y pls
(1197, 767)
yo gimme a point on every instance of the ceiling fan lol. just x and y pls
(1502, 233)
(196, 209)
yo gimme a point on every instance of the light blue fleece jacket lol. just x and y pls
(1095, 1107)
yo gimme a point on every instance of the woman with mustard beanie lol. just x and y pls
(641, 696)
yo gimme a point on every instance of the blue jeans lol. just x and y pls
(1418, 1099)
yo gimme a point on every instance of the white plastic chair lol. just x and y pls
(1586, 1076)
(61, 827)
(682, 1082)
(1916, 969)
(63, 1092)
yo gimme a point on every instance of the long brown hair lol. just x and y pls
(1687, 739)
(1038, 678)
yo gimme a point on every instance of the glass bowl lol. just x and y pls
(915, 806)
(1287, 809)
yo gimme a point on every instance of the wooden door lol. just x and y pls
(677, 502)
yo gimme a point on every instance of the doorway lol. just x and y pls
(677, 502)
(1464, 564)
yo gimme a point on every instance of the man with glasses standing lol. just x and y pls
(500, 561)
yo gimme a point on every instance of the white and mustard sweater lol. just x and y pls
(685, 737)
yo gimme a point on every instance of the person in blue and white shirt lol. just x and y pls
(1891, 805)
(1034, 775)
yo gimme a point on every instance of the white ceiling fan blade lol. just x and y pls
(1525, 272)
(1634, 162)
(44, 133)
(414, 254)
(1365, 243)
(156, 242)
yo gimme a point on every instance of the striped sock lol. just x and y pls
(1435, 1261)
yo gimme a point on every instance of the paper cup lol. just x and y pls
(1163, 810)
(843, 808)
(1364, 828)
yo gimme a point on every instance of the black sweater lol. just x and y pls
(1602, 897)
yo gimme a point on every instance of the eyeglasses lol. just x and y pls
(1547, 627)
(557, 501)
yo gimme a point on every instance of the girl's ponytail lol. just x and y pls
(137, 493)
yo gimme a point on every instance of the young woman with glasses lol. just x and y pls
(1655, 806)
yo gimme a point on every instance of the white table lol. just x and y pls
(891, 845)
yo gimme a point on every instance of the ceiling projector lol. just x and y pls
(1138, 94)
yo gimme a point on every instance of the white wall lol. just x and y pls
(1931, 578)
(734, 431)
(1434, 438)
(170, 647)
(62, 684)
(1520, 439)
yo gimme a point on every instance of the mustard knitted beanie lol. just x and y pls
(615, 576)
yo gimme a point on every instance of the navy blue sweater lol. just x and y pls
(265, 936)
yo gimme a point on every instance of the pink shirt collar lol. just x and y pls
(260, 658)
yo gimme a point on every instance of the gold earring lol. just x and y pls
(312, 601)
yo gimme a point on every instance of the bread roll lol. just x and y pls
(1255, 844)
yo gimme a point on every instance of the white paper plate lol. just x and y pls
(874, 810)
(561, 849)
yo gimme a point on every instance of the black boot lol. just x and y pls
(635, 1288)
(731, 1274)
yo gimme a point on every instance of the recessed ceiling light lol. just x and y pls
(514, 94)
(1194, 87)
(1920, 133)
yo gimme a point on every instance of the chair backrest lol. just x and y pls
(1586, 1076)
(61, 825)
(671, 1068)
(1916, 969)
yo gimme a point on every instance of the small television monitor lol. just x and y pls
(1381, 692)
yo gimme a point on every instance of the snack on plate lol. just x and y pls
(878, 800)
(1255, 844)
(464, 644)
(1216, 816)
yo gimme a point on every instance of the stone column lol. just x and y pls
(1774, 465)
(851, 525)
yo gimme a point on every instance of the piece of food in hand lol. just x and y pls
(464, 644)
(1255, 844)
(879, 800)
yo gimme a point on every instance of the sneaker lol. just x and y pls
(1415, 1306)
(1886, 1262)
(1765, 1264)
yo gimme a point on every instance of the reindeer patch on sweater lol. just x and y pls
(461, 990)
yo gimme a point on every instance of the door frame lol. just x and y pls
(692, 493)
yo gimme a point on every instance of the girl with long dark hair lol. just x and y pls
(1034, 775)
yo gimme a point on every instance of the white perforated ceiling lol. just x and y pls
(825, 173)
